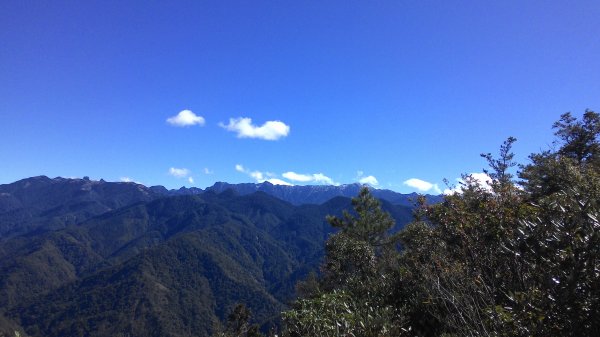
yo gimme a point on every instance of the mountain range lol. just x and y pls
(41, 203)
(94, 258)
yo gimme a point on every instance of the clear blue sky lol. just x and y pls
(396, 90)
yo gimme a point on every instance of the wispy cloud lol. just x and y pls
(179, 172)
(186, 118)
(271, 130)
(257, 175)
(182, 173)
(206, 170)
(422, 185)
(276, 181)
(305, 178)
(261, 177)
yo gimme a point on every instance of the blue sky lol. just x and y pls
(391, 90)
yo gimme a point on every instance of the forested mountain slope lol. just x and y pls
(172, 266)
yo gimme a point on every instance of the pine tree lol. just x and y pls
(353, 298)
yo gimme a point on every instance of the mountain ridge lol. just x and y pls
(314, 194)
(42, 204)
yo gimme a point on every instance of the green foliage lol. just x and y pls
(356, 254)
(370, 224)
(579, 139)
(351, 298)
(497, 259)
(508, 261)
(500, 166)
(238, 324)
(338, 313)
(579, 148)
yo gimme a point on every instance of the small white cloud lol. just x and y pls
(271, 130)
(190, 180)
(371, 180)
(276, 181)
(315, 177)
(206, 170)
(421, 185)
(451, 191)
(129, 180)
(186, 118)
(179, 172)
(261, 177)
(483, 179)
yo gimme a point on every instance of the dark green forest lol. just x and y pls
(517, 255)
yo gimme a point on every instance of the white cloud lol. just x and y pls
(293, 176)
(371, 180)
(179, 172)
(276, 181)
(419, 184)
(259, 176)
(422, 185)
(182, 173)
(271, 130)
(206, 170)
(186, 118)
(315, 177)
(297, 176)
(483, 179)
(321, 178)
